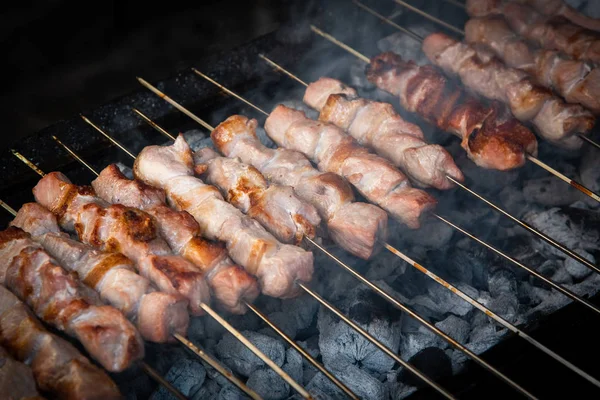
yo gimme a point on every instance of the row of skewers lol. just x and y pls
(121, 215)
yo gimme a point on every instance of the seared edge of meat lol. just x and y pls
(16, 379)
(157, 315)
(183, 234)
(277, 266)
(355, 226)
(55, 296)
(116, 228)
(492, 138)
(58, 367)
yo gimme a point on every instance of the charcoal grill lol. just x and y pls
(243, 71)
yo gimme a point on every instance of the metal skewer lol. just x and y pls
(523, 224)
(217, 317)
(461, 32)
(531, 271)
(344, 318)
(472, 355)
(147, 368)
(480, 307)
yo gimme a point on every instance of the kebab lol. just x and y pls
(277, 266)
(576, 81)
(125, 229)
(552, 33)
(558, 122)
(54, 295)
(231, 285)
(16, 379)
(58, 367)
(275, 207)
(157, 315)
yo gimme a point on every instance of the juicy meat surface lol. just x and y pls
(116, 228)
(16, 379)
(276, 207)
(55, 296)
(491, 138)
(58, 367)
(355, 226)
(157, 315)
(553, 31)
(333, 151)
(183, 234)
(576, 81)
(277, 266)
(378, 126)
(489, 77)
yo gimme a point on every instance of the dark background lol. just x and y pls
(61, 56)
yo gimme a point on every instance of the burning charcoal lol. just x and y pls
(524, 293)
(197, 139)
(185, 374)
(588, 287)
(448, 302)
(432, 361)
(196, 332)
(562, 277)
(492, 181)
(302, 309)
(513, 200)
(312, 347)
(213, 329)
(563, 229)
(357, 379)
(505, 305)
(577, 270)
(484, 336)
(385, 266)
(455, 327)
(264, 138)
(398, 390)
(231, 393)
(268, 384)
(376, 316)
(502, 281)
(550, 191)
(432, 234)
(241, 360)
(210, 390)
(414, 342)
(293, 365)
(458, 359)
(246, 322)
(358, 78)
(321, 386)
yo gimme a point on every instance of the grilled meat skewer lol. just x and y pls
(334, 151)
(157, 315)
(277, 266)
(355, 226)
(16, 379)
(124, 229)
(378, 126)
(276, 207)
(552, 33)
(576, 81)
(58, 367)
(231, 285)
(482, 72)
(491, 137)
(37, 279)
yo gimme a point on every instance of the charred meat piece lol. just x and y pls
(555, 120)
(16, 379)
(355, 226)
(231, 285)
(576, 81)
(276, 207)
(157, 315)
(333, 151)
(58, 368)
(54, 294)
(491, 138)
(116, 228)
(277, 266)
(553, 31)
(378, 126)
